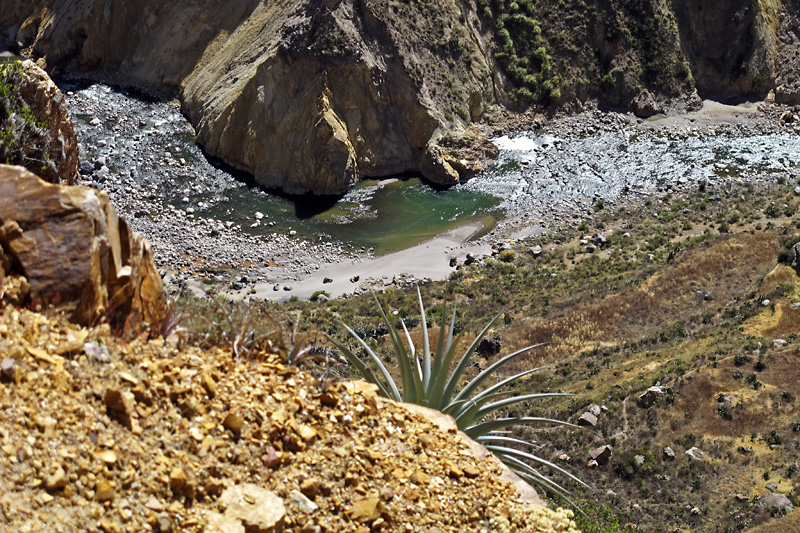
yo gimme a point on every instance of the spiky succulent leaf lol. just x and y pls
(501, 404)
(412, 386)
(485, 428)
(426, 348)
(481, 377)
(519, 454)
(462, 365)
(427, 380)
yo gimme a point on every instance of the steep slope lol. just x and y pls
(314, 95)
(304, 95)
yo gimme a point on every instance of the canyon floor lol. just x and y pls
(141, 152)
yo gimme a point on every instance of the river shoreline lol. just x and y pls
(135, 151)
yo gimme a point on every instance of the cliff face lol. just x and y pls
(732, 46)
(316, 94)
(304, 95)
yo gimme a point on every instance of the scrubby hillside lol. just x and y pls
(692, 293)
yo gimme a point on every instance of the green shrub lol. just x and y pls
(23, 137)
(427, 379)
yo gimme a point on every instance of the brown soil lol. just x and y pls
(148, 437)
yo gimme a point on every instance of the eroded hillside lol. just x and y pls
(316, 95)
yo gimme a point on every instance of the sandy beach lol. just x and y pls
(430, 259)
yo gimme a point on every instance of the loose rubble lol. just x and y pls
(157, 438)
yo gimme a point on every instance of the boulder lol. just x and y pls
(587, 419)
(644, 105)
(649, 397)
(258, 509)
(601, 454)
(775, 502)
(695, 454)
(45, 141)
(489, 346)
(73, 249)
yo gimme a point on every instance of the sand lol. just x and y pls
(430, 259)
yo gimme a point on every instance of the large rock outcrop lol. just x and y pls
(316, 94)
(303, 95)
(37, 129)
(73, 249)
(744, 61)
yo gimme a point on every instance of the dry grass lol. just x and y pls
(725, 269)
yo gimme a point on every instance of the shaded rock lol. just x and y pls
(233, 423)
(649, 397)
(745, 449)
(796, 257)
(9, 369)
(668, 453)
(772, 487)
(106, 272)
(177, 479)
(587, 419)
(436, 167)
(489, 346)
(121, 407)
(601, 454)
(104, 491)
(258, 509)
(57, 481)
(644, 105)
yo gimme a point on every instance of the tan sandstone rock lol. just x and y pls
(258, 509)
(74, 249)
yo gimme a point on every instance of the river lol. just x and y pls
(198, 211)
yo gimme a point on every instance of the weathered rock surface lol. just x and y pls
(303, 95)
(775, 502)
(601, 454)
(258, 510)
(35, 116)
(72, 248)
(650, 396)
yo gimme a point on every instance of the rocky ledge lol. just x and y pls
(97, 434)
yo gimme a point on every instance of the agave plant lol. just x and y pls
(427, 379)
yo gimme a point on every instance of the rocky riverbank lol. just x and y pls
(141, 153)
(549, 174)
